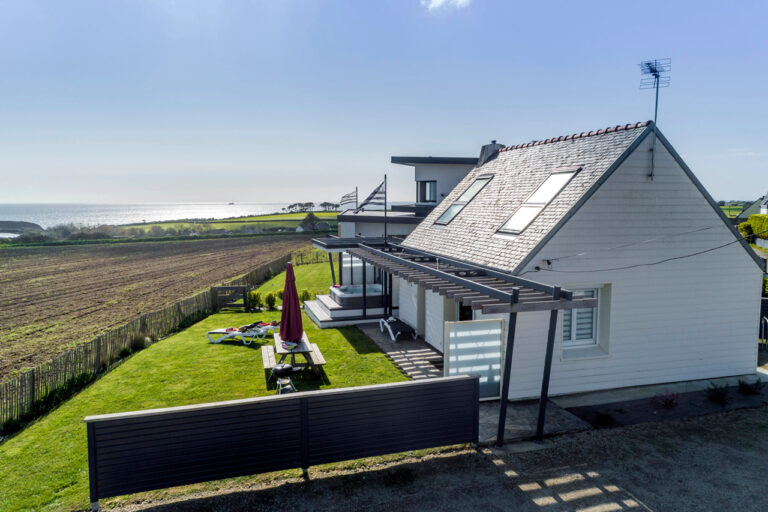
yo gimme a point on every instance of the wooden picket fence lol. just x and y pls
(19, 394)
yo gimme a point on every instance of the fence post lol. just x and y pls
(31, 388)
(304, 433)
(97, 360)
(214, 299)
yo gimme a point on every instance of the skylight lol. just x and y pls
(452, 211)
(537, 201)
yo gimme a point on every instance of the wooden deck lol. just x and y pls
(416, 358)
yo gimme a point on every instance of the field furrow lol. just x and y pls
(53, 298)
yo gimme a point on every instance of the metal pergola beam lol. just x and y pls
(487, 290)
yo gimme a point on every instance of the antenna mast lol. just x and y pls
(655, 74)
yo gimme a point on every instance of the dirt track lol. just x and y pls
(66, 295)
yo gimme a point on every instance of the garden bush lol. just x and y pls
(754, 388)
(280, 295)
(759, 225)
(305, 296)
(745, 230)
(270, 300)
(255, 301)
(718, 394)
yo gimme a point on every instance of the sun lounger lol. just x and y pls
(247, 333)
(396, 327)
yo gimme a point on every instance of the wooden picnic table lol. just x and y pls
(310, 351)
(303, 348)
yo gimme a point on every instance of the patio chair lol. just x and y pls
(257, 330)
(396, 327)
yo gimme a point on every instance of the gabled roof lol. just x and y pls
(517, 172)
(752, 209)
(765, 200)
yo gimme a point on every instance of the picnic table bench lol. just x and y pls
(310, 351)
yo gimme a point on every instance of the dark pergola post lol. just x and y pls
(365, 295)
(333, 273)
(547, 368)
(512, 323)
(341, 268)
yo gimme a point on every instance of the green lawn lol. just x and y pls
(45, 467)
(731, 211)
(315, 277)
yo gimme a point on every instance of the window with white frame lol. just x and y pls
(580, 325)
(537, 201)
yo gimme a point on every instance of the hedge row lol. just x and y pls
(755, 227)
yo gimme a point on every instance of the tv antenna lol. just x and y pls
(655, 74)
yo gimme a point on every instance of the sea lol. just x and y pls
(49, 214)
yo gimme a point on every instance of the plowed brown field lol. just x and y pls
(53, 298)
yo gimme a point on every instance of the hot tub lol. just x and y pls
(351, 296)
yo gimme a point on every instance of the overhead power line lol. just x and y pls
(659, 262)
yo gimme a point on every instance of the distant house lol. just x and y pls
(435, 177)
(753, 209)
(669, 291)
(764, 205)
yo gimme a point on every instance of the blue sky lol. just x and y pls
(161, 100)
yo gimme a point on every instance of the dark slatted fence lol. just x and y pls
(145, 450)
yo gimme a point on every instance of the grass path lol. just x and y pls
(45, 466)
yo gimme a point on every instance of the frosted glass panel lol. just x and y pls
(549, 189)
(474, 348)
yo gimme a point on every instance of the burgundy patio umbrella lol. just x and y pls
(291, 328)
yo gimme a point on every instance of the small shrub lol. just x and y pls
(668, 401)
(139, 342)
(270, 300)
(280, 295)
(124, 352)
(718, 394)
(11, 426)
(255, 300)
(745, 230)
(305, 296)
(603, 419)
(755, 388)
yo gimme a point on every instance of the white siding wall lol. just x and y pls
(447, 176)
(688, 319)
(408, 299)
(434, 319)
(373, 229)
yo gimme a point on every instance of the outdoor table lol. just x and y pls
(303, 348)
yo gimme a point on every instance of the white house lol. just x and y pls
(434, 176)
(616, 219)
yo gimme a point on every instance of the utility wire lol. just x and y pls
(739, 239)
(622, 246)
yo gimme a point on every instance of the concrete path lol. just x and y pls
(415, 357)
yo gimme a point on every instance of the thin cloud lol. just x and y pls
(435, 5)
(743, 152)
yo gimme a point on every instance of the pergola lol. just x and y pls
(482, 288)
